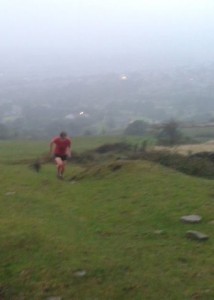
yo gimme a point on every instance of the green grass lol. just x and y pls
(104, 224)
(16, 151)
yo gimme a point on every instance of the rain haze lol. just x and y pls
(82, 37)
(108, 64)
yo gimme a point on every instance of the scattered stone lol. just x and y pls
(191, 219)
(54, 298)
(10, 193)
(80, 273)
(159, 232)
(196, 235)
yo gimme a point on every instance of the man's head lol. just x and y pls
(63, 134)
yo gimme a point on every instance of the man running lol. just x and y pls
(60, 148)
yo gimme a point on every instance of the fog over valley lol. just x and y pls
(96, 66)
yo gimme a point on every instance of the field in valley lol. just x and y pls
(190, 149)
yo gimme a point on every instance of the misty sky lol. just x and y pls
(105, 35)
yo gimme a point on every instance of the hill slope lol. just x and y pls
(114, 234)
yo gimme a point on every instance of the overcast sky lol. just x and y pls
(105, 35)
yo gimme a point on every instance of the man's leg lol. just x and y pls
(60, 166)
(63, 167)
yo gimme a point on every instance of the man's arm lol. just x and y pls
(68, 150)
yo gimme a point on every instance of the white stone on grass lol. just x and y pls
(191, 219)
(196, 235)
(159, 232)
(80, 273)
(10, 193)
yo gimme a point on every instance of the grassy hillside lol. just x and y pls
(20, 150)
(114, 234)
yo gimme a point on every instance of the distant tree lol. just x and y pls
(170, 134)
(137, 127)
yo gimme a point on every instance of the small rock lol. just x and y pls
(10, 193)
(191, 219)
(159, 232)
(196, 235)
(54, 298)
(80, 273)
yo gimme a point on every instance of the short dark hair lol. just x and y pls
(63, 134)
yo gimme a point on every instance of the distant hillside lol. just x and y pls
(98, 103)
